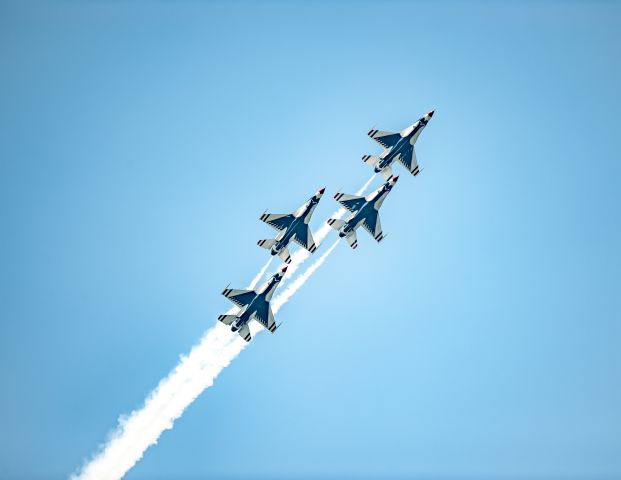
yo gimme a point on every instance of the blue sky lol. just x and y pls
(140, 142)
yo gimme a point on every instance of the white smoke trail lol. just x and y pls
(194, 373)
(284, 297)
(300, 256)
(142, 428)
(167, 402)
(259, 276)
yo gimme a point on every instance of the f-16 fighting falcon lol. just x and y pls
(254, 305)
(365, 212)
(398, 146)
(294, 227)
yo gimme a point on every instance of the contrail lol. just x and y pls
(193, 374)
(300, 256)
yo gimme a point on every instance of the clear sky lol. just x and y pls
(140, 142)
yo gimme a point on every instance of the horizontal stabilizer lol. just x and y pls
(352, 240)
(370, 159)
(267, 243)
(244, 332)
(335, 223)
(387, 173)
(227, 319)
(284, 255)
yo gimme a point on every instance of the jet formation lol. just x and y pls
(294, 227)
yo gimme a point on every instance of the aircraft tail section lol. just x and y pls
(387, 173)
(284, 255)
(335, 223)
(227, 319)
(370, 159)
(267, 243)
(244, 332)
(352, 240)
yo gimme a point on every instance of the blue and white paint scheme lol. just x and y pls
(254, 305)
(364, 212)
(398, 146)
(293, 226)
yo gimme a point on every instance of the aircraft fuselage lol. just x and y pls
(246, 313)
(302, 217)
(368, 208)
(389, 155)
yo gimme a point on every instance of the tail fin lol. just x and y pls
(370, 159)
(284, 255)
(267, 243)
(227, 319)
(335, 223)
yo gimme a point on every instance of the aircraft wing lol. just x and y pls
(372, 225)
(241, 298)
(304, 238)
(265, 317)
(352, 203)
(385, 139)
(279, 221)
(408, 159)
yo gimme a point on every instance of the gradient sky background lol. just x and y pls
(140, 142)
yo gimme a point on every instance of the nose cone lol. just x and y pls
(393, 180)
(321, 190)
(284, 269)
(430, 114)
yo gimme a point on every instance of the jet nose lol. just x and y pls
(394, 179)
(284, 269)
(321, 190)
(430, 114)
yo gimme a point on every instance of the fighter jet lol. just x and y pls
(254, 305)
(398, 146)
(364, 211)
(292, 226)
